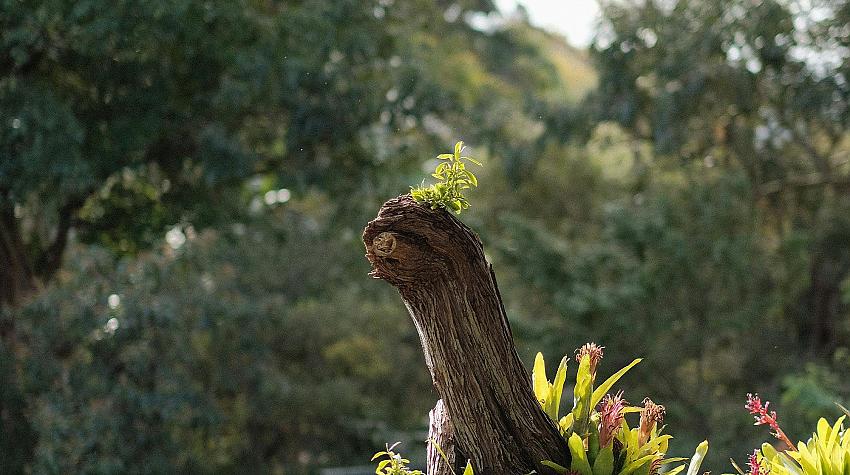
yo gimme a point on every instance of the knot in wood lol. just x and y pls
(384, 244)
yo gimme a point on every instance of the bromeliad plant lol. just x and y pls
(827, 452)
(454, 179)
(597, 433)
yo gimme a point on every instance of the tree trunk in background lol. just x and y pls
(820, 309)
(16, 274)
(449, 288)
(17, 281)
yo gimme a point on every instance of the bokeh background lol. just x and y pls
(183, 185)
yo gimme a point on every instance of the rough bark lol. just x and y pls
(449, 288)
(441, 444)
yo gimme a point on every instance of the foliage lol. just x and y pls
(277, 127)
(187, 372)
(598, 435)
(548, 394)
(394, 464)
(723, 86)
(827, 452)
(454, 179)
(811, 393)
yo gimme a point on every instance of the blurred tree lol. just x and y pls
(759, 89)
(121, 121)
(705, 226)
(213, 358)
(111, 114)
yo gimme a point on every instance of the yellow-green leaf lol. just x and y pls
(582, 396)
(538, 377)
(629, 468)
(557, 389)
(699, 456)
(566, 423)
(603, 388)
(554, 466)
(604, 463)
(458, 149)
(579, 463)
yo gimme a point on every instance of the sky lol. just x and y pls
(572, 18)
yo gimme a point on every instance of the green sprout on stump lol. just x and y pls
(454, 179)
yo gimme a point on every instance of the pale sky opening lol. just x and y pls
(575, 19)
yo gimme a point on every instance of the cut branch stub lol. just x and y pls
(441, 457)
(439, 268)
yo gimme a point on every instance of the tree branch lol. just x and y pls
(802, 181)
(50, 258)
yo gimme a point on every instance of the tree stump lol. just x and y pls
(438, 266)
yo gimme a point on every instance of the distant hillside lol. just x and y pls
(574, 66)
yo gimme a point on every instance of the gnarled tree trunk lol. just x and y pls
(449, 288)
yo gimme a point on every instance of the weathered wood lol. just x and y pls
(440, 439)
(439, 268)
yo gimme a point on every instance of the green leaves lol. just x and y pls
(639, 451)
(582, 396)
(636, 453)
(606, 386)
(395, 464)
(579, 462)
(454, 179)
(549, 394)
(604, 463)
(827, 452)
(699, 456)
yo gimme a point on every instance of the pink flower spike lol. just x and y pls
(763, 416)
(592, 351)
(755, 465)
(611, 411)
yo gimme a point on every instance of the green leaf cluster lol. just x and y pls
(633, 453)
(393, 464)
(584, 394)
(549, 394)
(827, 452)
(454, 179)
(580, 427)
